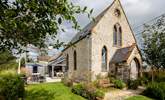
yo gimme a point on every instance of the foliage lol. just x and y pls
(99, 93)
(50, 91)
(68, 82)
(24, 22)
(88, 91)
(156, 90)
(7, 60)
(119, 84)
(112, 79)
(133, 84)
(143, 81)
(96, 83)
(78, 89)
(23, 62)
(12, 86)
(154, 43)
(159, 76)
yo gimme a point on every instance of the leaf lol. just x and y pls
(21, 19)
(85, 8)
(91, 11)
(59, 20)
(63, 30)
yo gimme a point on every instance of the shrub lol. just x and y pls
(156, 90)
(11, 86)
(78, 89)
(119, 84)
(67, 82)
(143, 81)
(112, 79)
(133, 84)
(87, 91)
(96, 83)
(99, 93)
(159, 76)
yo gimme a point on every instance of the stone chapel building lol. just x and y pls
(106, 45)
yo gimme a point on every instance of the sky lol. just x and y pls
(137, 11)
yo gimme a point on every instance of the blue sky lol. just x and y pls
(137, 11)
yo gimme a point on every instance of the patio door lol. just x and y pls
(35, 69)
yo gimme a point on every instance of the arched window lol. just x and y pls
(104, 59)
(67, 62)
(75, 60)
(120, 37)
(117, 35)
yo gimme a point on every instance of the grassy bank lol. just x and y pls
(50, 91)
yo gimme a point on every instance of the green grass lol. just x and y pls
(50, 91)
(139, 97)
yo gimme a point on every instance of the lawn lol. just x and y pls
(139, 97)
(50, 91)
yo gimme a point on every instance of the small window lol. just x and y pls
(75, 60)
(117, 13)
(104, 59)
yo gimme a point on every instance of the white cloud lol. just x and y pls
(138, 8)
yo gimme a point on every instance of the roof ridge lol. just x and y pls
(86, 30)
(95, 21)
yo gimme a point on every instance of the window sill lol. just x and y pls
(117, 46)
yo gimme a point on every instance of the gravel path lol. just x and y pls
(122, 94)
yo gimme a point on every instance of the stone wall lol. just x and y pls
(102, 34)
(89, 50)
(83, 50)
(122, 71)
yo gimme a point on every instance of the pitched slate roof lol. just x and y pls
(87, 30)
(60, 59)
(122, 55)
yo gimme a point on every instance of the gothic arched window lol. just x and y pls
(117, 35)
(104, 59)
(120, 37)
(75, 60)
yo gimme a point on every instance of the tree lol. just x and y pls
(154, 44)
(43, 52)
(24, 22)
(23, 62)
(7, 60)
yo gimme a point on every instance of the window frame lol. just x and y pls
(75, 60)
(67, 62)
(104, 63)
(117, 35)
